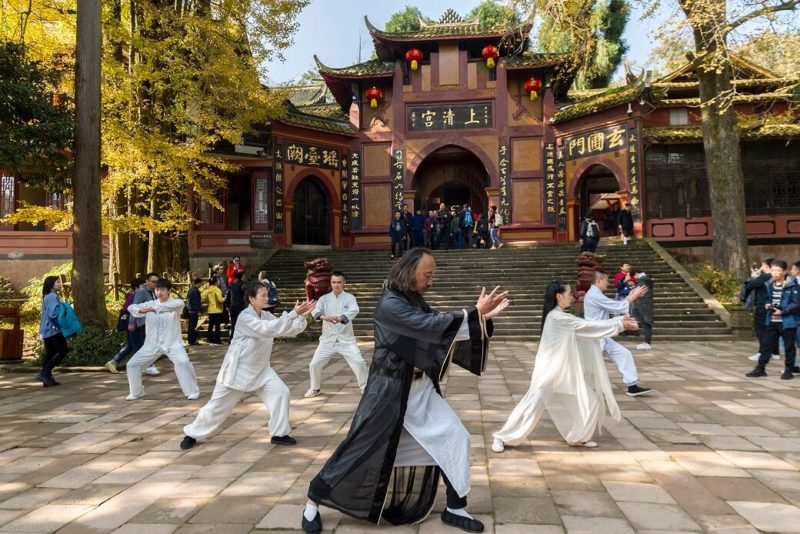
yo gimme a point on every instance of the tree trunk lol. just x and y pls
(87, 241)
(151, 238)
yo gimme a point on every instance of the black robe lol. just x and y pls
(408, 334)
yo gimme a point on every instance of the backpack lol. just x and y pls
(468, 218)
(748, 298)
(592, 229)
(68, 321)
(272, 294)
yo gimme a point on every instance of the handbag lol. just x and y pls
(122, 323)
(68, 320)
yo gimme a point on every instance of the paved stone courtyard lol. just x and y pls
(709, 451)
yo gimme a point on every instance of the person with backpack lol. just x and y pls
(55, 344)
(495, 222)
(272, 292)
(754, 296)
(130, 346)
(468, 226)
(589, 234)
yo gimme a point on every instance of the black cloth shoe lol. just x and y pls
(755, 373)
(314, 526)
(45, 380)
(787, 375)
(796, 369)
(187, 443)
(636, 390)
(283, 440)
(459, 521)
(53, 380)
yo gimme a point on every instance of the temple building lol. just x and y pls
(455, 114)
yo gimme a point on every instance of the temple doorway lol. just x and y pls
(310, 214)
(452, 175)
(597, 194)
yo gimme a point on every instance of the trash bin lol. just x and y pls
(10, 338)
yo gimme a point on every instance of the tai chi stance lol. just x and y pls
(569, 380)
(336, 310)
(598, 307)
(403, 429)
(246, 368)
(163, 336)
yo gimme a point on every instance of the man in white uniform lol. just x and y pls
(336, 310)
(598, 307)
(163, 327)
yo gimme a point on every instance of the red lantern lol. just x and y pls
(374, 94)
(414, 56)
(533, 86)
(490, 53)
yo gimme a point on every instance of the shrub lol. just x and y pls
(724, 285)
(7, 292)
(93, 346)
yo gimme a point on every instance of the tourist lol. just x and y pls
(623, 281)
(418, 227)
(213, 299)
(408, 218)
(397, 233)
(336, 310)
(495, 222)
(402, 422)
(609, 227)
(443, 227)
(163, 319)
(482, 228)
(756, 290)
(136, 325)
(55, 344)
(598, 307)
(219, 272)
(466, 214)
(429, 230)
(123, 325)
(456, 227)
(589, 234)
(569, 379)
(643, 308)
(272, 292)
(235, 300)
(235, 266)
(194, 306)
(782, 319)
(246, 368)
(625, 223)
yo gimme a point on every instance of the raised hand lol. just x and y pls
(500, 308)
(302, 308)
(638, 292)
(489, 301)
(629, 323)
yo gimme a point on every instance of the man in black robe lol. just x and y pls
(403, 431)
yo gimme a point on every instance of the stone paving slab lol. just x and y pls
(708, 451)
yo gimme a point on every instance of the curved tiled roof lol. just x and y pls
(301, 119)
(430, 30)
(367, 69)
(695, 133)
(605, 100)
(534, 59)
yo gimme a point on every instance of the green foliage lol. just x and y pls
(405, 20)
(494, 15)
(94, 346)
(7, 291)
(35, 132)
(724, 285)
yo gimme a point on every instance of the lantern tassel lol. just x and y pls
(414, 64)
(534, 95)
(373, 103)
(490, 62)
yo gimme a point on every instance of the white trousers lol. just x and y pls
(274, 394)
(350, 352)
(145, 357)
(624, 360)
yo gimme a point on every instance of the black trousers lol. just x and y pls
(453, 500)
(399, 242)
(191, 332)
(589, 244)
(776, 331)
(760, 328)
(55, 350)
(214, 322)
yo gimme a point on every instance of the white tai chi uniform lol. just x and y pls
(337, 338)
(598, 307)
(163, 327)
(432, 432)
(246, 368)
(569, 380)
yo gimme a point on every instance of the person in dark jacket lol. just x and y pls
(483, 231)
(643, 308)
(236, 299)
(626, 222)
(589, 234)
(443, 227)
(131, 346)
(397, 232)
(418, 227)
(756, 288)
(408, 217)
(194, 306)
(55, 344)
(391, 429)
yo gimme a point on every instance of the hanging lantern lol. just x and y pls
(490, 53)
(414, 56)
(532, 87)
(375, 95)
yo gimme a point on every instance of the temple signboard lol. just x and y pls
(550, 195)
(422, 118)
(634, 186)
(504, 193)
(398, 172)
(312, 156)
(596, 142)
(355, 190)
(278, 178)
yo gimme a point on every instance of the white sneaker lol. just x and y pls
(500, 245)
(644, 346)
(756, 356)
(152, 371)
(586, 444)
(194, 396)
(493, 247)
(498, 445)
(134, 397)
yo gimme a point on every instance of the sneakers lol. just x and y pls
(757, 355)
(193, 396)
(283, 440)
(755, 373)
(133, 397)
(187, 443)
(636, 390)
(787, 375)
(500, 246)
(586, 444)
(311, 393)
(45, 380)
(152, 371)
(111, 365)
(493, 248)
(314, 526)
(498, 445)
(459, 521)
(644, 346)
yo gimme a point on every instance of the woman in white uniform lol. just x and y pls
(246, 368)
(569, 380)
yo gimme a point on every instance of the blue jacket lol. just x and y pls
(790, 303)
(48, 323)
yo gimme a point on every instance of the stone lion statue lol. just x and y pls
(318, 277)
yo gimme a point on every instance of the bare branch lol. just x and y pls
(787, 5)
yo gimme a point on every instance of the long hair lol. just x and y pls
(49, 282)
(402, 275)
(556, 287)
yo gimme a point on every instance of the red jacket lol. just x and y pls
(232, 271)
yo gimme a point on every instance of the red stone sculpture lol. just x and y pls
(318, 277)
(587, 263)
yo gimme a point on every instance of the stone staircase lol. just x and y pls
(680, 313)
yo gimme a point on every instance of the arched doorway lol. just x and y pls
(452, 175)
(310, 214)
(597, 194)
